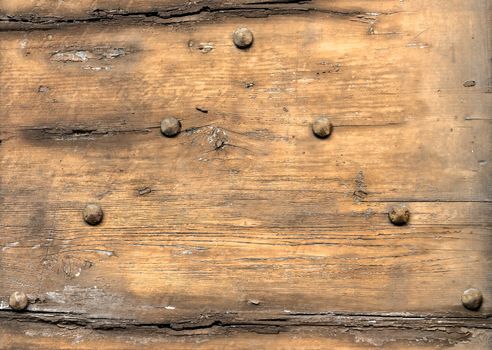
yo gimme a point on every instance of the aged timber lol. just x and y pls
(244, 229)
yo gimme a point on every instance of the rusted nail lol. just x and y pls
(93, 214)
(243, 38)
(472, 299)
(170, 127)
(18, 301)
(399, 215)
(322, 127)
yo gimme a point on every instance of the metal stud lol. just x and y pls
(472, 299)
(322, 127)
(170, 127)
(18, 301)
(93, 214)
(399, 215)
(243, 38)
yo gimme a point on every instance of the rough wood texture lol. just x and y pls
(245, 223)
(27, 336)
(46, 11)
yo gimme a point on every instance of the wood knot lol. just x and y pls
(218, 138)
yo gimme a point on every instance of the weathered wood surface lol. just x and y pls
(159, 11)
(28, 336)
(245, 222)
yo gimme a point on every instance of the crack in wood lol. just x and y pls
(230, 321)
(77, 133)
(190, 13)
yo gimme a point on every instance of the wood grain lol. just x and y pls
(176, 10)
(27, 336)
(246, 219)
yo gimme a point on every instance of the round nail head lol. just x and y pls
(399, 215)
(472, 299)
(93, 214)
(243, 38)
(18, 301)
(170, 127)
(322, 127)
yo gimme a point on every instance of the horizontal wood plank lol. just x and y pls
(29, 335)
(245, 216)
(170, 10)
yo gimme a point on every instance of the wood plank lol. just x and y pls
(246, 217)
(167, 10)
(26, 336)
(272, 182)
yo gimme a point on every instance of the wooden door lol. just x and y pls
(245, 230)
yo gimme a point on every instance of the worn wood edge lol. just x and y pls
(336, 331)
(186, 13)
(392, 320)
(30, 335)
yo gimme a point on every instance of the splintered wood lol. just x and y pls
(242, 229)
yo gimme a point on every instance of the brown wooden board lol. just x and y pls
(27, 336)
(245, 222)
